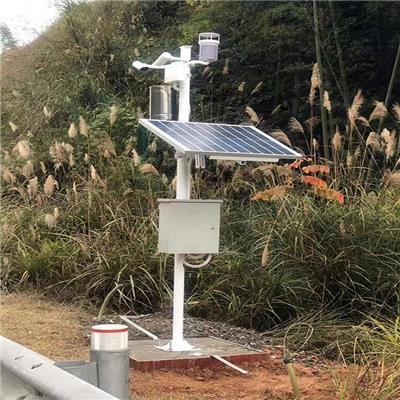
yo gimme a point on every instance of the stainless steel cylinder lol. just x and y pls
(112, 371)
(163, 103)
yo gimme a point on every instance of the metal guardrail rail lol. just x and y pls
(26, 375)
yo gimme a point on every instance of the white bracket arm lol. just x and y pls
(144, 67)
(160, 63)
(165, 58)
(195, 62)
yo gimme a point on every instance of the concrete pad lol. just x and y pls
(145, 356)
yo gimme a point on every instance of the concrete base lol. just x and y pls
(146, 355)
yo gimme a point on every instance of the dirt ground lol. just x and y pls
(60, 332)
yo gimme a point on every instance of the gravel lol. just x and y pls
(160, 324)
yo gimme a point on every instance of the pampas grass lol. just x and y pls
(354, 110)
(337, 140)
(22, 149)
(71, 161)
(49, 185)
(27, 169)
(295, 126)
(95, 177)
(72, 131)
(13, 127)
(135, 157)
(257, 88)
(225, 70)
(265, 255)
(278, 134)
(378, 112)
(315, 83)
(327, 103)
(113, 115)
(47, 113)
(43, 167)
(148, 169)
(83, 127)
(152, 148)
(252, 115)
(390, 142)
(107, 148)
(9, 177)
(33, 186)
(396, 111)
(349, 160)
(374, 141)
(393, 180)
(60, 153)
(51, 219)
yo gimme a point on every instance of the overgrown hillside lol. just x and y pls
(80, 179)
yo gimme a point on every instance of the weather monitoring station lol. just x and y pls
(189, 229)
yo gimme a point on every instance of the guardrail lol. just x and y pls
(26, 375)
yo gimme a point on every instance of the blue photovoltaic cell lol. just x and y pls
(219, 139)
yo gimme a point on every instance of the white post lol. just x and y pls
(182, 192)
(184, 87)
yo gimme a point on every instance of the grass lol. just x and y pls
(320, 255)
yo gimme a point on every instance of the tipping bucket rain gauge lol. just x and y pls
(191, 227)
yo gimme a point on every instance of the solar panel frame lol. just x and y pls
(229, 147)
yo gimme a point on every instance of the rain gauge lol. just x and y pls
(191, 227)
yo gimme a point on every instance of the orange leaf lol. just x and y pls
(314, 181)
(329, 194)
(271, 194)
(340, 197)
(314, 169)
(296, 164)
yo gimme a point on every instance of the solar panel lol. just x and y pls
(220, 141)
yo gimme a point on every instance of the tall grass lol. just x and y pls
(80, 183)
(320, 257)
(371, 368)
(79, 216)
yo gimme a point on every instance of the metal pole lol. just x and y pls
(182, 192)
(109, 349)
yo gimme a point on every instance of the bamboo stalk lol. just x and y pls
(325, 135)
(339, 51)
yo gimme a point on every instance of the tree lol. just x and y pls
(325, 135)
(7, 40)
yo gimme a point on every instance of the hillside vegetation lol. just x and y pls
(311, 246)
(80, 179)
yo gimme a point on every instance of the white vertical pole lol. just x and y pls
(182, 192)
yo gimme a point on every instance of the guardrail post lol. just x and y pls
(109, 349)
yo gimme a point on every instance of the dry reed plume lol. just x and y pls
(72, 131)
(83, 127)
(49, 185)
(22, 149)
(315, 83)
(113, 114)
(354, 111)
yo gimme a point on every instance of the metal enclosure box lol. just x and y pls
(189, 226)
